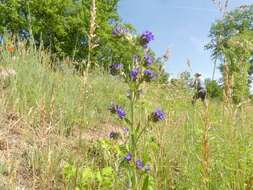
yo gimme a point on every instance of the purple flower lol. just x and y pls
(139, 164)
(115, 68)
(134, 73)
(119, 30)
(119, 110)
(121, 113)
(149, 75)
(158, 115)
(149, 60)
(128, 157)
(146, 37)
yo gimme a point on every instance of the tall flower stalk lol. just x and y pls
(91, 45)
(92, 34)
(141, 71)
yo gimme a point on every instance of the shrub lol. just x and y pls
(214, 90)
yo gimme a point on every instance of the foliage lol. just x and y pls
(46, 157)
(139, 148)
(214, 90)
(99, 179)
(239, 51)
(62, 26)
(234, 23)
(231, 43)
(140, 71)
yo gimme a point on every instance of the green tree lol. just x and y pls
(58, 24)
(214, 90)
(63, 25)
(231, 43)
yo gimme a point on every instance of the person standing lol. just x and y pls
(201, 91)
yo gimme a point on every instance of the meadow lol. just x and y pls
(55, 132)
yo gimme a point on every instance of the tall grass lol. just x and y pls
(42, 110)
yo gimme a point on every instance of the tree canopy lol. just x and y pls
(231, 25)
(232, 44)
(63, 25)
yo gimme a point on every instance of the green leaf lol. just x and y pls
(88, 174)
(146, 183)
(108, 171)
(138, 127)
(128, 121)
(69, 171)
(99, 177)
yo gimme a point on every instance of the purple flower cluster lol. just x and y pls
(119, 110)
(146, 37)
(149, 75)
(121, 113)
(158, 115)
(139, 164)
(115, 68)
(119, 31)
(128, 157)
(134, 74)
(148, 59)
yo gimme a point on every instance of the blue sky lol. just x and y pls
(181, 25)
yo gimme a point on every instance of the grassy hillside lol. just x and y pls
(54, 133)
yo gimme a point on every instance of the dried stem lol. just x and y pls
(52, 109)
(221, 6)
(42, 113)
(92, 34)
(205, 150)
(227, 85)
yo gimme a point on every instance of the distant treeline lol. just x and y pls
(62, 26)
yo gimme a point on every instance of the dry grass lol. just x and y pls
(47, 119)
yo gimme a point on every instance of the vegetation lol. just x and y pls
(231, 43)
(214, 90)
(63, 26)
(123, 127)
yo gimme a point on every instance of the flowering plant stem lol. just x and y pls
(142, 131)
(132, 123)
(133, 136)
(140, 72)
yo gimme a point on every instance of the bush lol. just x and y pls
(214, 90)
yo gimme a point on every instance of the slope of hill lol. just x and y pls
(53, 126)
